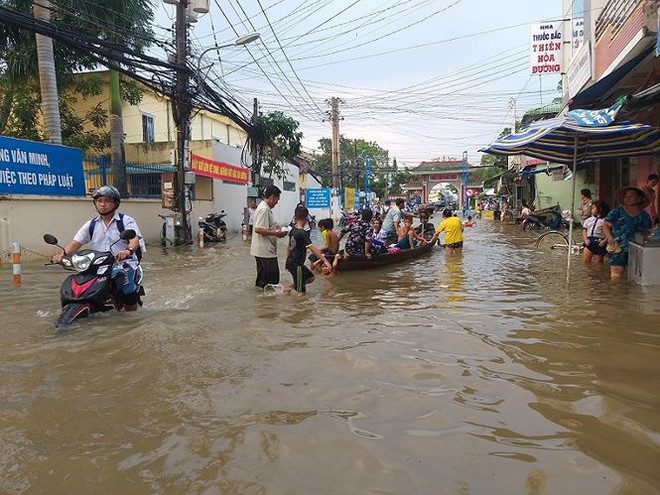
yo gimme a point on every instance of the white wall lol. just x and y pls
(24, 219)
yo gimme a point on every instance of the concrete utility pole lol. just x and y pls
(334, 119)
(255, 175)
(181, 110)
(464, 180)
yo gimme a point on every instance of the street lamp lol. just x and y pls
(240, 41)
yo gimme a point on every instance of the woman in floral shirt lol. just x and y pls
(620, 226)
(360, 235)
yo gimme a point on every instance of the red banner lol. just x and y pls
(218, 170)
(443, 177)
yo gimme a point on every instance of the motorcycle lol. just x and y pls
(92, 289)
(552, 218)
(213, 227)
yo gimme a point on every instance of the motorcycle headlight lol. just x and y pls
(81, 263)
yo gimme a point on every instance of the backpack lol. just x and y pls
(120, 228)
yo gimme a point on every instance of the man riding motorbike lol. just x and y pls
(104, 230)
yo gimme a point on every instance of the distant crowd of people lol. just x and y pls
(366, 236)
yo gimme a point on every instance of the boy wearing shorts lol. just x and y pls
(299, 243)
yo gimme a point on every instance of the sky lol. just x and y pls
(425, 79)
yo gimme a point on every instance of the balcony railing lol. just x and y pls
(614, 16)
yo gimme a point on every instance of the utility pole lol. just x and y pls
(255, 174)
(367, 172)
(464, 195)
(355, 165)
(181, 110)
(334, 119)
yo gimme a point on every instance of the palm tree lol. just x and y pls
(120, 16)
(47, 78)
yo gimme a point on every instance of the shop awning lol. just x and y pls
(600, 90)
(492, 181)
(650, 96)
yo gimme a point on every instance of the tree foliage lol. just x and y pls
(281, 142)
(352, 155)
(20, 101)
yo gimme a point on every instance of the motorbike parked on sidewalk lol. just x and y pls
(92, 289)
(213, 227)
(551, 218)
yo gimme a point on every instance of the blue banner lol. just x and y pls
(597, 118)
(28, 167)
(317, 198)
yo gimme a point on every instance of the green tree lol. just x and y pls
(281, 141)
(399, 179)
(20, 103)
(352, 153)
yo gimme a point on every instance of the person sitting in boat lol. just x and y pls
(408, 238)
(392, 220)
(330, 243)
(379, 241)
(453, 229)
(360, 235)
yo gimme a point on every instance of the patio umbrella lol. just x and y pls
(579, 136)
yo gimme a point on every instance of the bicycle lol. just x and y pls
(556, 240)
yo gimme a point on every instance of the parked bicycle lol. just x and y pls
(558, 241)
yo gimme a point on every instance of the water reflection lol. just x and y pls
(477, 373)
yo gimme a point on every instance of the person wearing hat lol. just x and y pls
(104, 230)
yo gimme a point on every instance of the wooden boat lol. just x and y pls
(355, 263)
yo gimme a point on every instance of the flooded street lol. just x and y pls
(481, 373)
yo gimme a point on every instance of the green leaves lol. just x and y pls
(281, 141)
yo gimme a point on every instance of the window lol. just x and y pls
(288, 186)
(148, 132)
(145, 185)
(203, 188)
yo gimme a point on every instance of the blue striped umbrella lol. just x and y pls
(579, 136)
(564, 140)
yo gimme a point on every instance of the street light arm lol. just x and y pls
(243, 40)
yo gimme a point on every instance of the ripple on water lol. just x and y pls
(346, 390)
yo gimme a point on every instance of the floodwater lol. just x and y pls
(482, 373)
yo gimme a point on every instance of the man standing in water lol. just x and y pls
(264, 239)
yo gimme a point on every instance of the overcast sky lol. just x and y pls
(422, 78)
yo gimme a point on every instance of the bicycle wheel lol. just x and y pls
(552, 240)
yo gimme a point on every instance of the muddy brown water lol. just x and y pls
(482, 373)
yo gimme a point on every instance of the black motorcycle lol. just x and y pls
(92, 288)
(213, 227)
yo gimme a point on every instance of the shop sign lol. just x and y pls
(546, 48)
(579, 72)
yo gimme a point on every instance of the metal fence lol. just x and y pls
(143, 180)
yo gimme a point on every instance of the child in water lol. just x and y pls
(595, 245)
(299, 243)
(330, 244)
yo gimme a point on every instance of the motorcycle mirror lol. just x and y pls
(127, 235)
(50, 239)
